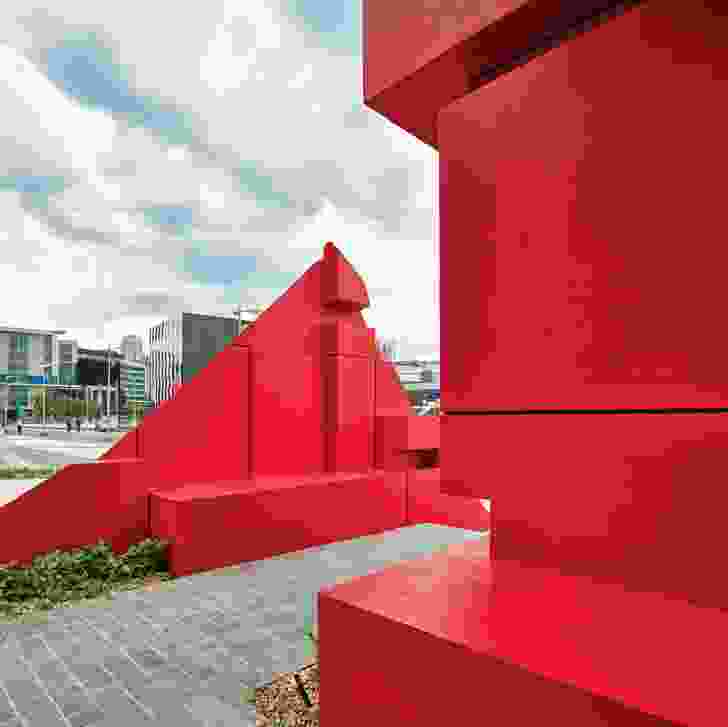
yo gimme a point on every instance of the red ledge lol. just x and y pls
(642, 655)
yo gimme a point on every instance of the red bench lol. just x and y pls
(211, 525)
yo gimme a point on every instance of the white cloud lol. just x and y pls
(42, 130)
(258, 89)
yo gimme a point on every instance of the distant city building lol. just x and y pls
(132, 348)
(388, 348)
(182, 345)
(421, 379)
(26, 356)
(247, 316)
(99, 371)
(130, 389)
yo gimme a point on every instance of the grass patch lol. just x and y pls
(28, 472)
(91, 574)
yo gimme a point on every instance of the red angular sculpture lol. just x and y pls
(582, 151)
(296, 434)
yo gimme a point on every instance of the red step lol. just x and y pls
(452, 639)
(211, 525)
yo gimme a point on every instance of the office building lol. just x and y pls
(27, 355)
(98, 372)
(130, 389)
(132, 348)
(388, 348)
(420, 379)
(182, 345)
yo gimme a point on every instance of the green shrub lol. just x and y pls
(67, 576)
(27, 472)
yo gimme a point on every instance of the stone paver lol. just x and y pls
(187, 653)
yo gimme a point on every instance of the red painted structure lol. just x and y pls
(581, 159)
(312, 442)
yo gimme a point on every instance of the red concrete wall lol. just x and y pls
(78, 506)
(620, 498)
(301, 392)
(426, 503)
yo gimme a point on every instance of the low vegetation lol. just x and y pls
(28, 472)
(62, 578)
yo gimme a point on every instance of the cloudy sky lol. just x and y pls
(158, 156)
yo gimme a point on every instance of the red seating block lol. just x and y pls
(218, 524)
(455, 639)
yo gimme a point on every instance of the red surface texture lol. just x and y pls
(78, 506)
(455, 638)
(583, 379)
(302, 394)
(274, 515)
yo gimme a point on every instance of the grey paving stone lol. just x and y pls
(23, 691)
(33, 705)
(124, 669)
(86, 718)
(91, 675)
(217, 631)
(6, 709)
(11, 665)
(54, 675)
(116, 703)
(146, 658)
(35, 649)
(73, 699)
(216, 712)
(165, 696)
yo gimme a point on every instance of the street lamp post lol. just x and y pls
(108, 382)
(45, 393)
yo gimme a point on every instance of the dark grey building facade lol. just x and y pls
(180, 347)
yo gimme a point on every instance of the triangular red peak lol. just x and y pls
(341, 286)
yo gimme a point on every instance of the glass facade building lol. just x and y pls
(182, 345)
(26, 356)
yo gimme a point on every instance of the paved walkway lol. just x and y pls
(184, 655)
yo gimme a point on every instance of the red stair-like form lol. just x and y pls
(310, 440)
(582, 161)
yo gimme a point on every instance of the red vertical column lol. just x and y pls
(348, 368)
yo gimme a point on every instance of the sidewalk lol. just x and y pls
(10, 489)
(188, 653)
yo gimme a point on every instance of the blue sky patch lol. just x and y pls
(85, 69)
(218, 269)
(262, 187)
(34, 188)
(337, 23)
(173, 218)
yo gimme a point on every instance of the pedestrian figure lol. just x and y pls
(78, 424)
(20, 426)
(68, 424)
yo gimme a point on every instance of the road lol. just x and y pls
(59, 447)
